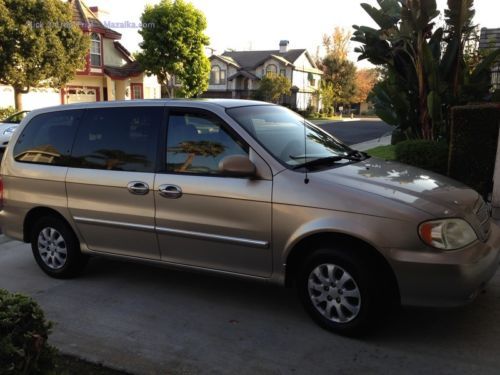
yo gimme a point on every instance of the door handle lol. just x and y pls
(170, 191)
(138, 188)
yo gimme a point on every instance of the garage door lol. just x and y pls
(81, 95)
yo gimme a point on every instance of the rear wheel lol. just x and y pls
(339, 290)
(56, 248)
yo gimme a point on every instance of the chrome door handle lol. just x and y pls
(170, 191)
(138, 187)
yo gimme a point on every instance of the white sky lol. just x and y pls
(261, 24)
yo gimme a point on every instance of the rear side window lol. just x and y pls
(120, 139)
(47, 139)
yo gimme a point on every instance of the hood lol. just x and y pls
(426, 191)
(4, 126)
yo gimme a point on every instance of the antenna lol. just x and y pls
(306, 178)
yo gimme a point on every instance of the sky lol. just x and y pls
(261, 24)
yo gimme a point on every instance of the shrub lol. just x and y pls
(473, 145)
(6, 112)
(23, 337)
(429, 155)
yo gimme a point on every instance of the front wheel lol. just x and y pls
(56, 248)
(338, 290)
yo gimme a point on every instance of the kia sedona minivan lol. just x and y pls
(247, 189)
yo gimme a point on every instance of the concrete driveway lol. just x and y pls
(149, 320)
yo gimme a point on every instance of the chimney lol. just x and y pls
(95, 10)
(284, 46)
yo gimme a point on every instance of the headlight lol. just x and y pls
(447, 234)
(10, 130)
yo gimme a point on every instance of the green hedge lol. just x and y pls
(429, 155)
(473, 145)
(23, 337)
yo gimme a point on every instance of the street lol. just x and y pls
(150, 320)
(353, 132)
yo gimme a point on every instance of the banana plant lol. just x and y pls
(427, 72)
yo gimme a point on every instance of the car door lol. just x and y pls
(204, 218)
(110, 182)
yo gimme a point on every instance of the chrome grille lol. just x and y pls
(483, 216)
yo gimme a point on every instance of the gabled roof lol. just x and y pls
(490, 38)
(252, 59)
(245, 74)
(225, 59)
(88, 21)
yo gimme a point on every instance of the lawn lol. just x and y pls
(383, 152)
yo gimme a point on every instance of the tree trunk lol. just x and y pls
(18, 99)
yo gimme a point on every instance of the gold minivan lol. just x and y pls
(247, 189)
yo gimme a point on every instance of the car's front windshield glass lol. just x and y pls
(281, 132)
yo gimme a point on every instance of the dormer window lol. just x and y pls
(95, 50)
(271, 70)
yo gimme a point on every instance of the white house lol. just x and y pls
(236, 74)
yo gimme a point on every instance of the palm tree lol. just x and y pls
(193, 149)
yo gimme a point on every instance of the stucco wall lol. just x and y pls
(111, 55)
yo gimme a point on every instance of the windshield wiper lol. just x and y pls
(319, 161)
(352, 155)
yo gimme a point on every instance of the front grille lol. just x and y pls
(483, 216)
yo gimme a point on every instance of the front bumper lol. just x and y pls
(444, 279)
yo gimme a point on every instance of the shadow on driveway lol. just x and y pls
(152, 320)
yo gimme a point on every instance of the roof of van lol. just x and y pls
(225, 103)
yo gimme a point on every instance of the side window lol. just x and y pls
(48, 137)
(197, 142)
(120, 139)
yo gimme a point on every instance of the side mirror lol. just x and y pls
(237, 166)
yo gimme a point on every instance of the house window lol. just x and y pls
(137, 91)
(95, 50)
(217, 76)
(283, 72)
(271, 70)
(495, 77)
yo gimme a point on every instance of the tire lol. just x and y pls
(339, 290)
(56, 248)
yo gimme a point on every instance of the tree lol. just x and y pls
(340, 75)
(174, 49)
(337, 44)
(365, 80)
(40, 45)
(272, 87)
(426, 69)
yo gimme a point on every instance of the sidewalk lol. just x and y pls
(382, 141)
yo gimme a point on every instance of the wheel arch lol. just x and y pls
(34, 214)
(309, 243)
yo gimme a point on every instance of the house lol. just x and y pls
(110, 71)
(490, 39)
(236, 74)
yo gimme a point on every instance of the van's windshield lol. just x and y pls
(282, 132)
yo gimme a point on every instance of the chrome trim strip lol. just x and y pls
(119, 224)
(176, 232)
(214, 237)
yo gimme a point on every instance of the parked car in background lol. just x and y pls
(8, 126)
(247, 189)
